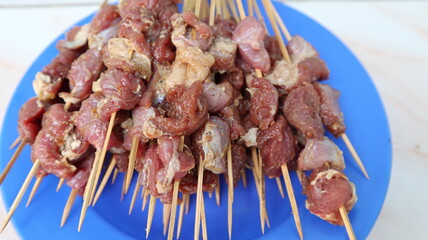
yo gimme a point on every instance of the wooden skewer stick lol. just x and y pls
(20, 194)
(212, 13)
(250, 8)
(173, 210)
(145, 197)
(230, 190)
(244, 178)
(263, 191)
(217, 191)
(348, 224)
(122, 194)
(354, 154)
(134, 195)
(180, 215)
(231, 5)
(15, 143)
(60, 183)
(104, 181)
(218, 9)
(116, 171)
(279, 184)
(258, 13)
(67, 106)
(292, 199)
(12, 160)
(131, 163)
(34, 190)
(166, 215)
(256, 180)
(68, 206)
(203, 220)
(102, 156)
(187, 202)
(152, 206)
(199, 199)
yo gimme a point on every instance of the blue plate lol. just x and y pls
(367, 128)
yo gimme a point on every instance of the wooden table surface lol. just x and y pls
(389, 38)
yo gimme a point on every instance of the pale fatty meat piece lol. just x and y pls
(121, 90)
(218, 96)
(81, 175)
(264, 102)
(30, 120)
(319, 152)
(285, 76)
(186, 110)
(83, 72)
(141, 151)
(100, 40)
(327, 191)
(300, 49)
(76, 38)
(46, 148)
(230, 114)
(183, 23)
(249, 34)
(239, 158)
(277, 147)
(211, 142)
(176, 164)
(89, 124)
(272, 46)
(73, 146)
(301, 109)
(249, 139)
(312, 70)
(48, 82)
(142, 126)
(224, 52)
(122, 161)
(330, 112)
(106, 17)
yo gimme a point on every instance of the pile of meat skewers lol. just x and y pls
(174, 98)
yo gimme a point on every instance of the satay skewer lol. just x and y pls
(145, 197)
(173, 210)
(279, 184)
(15, 143)
(103, 183)
(131, 162)
(34, 190)
(152, 206)
(12, 160)
(166, 216)
(230, 196)
(348, 225)
(217, 191)
(60, 183)
(244, 178)
(113, 179)
(134, 195)
(181, 214)
(199, 201)
(21, 193)
(68, 206)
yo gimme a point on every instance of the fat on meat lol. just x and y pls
(182, 33)
(29, 120)
(218, 96)
(319, 152)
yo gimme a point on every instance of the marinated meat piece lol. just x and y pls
(272, 46)
(124, 54)
(182, 34)
(49, 81)
(91, 126)
(301, 109)
(328, 190)
(141, 151)
(76, 38)
(212, 141)
(84, 70)
(189, 184)
(330, 112)
(142, 126)
(319, 152)
(249, 34)
(29, 120)
(285, 76)
(239, 157)
(122, 90)
(106, 17)
(277, 147)
(264, 102)
(224, 52)
(164, 50)
(46, 148)
(122, 161)
(234, 77)
(175, 163)
(74, 146)
(231, 115)
(101, 39)
(41, 172)
(155, 93)
(186, 110)
(80, 177)
(312, 70)
(299, 49)
(223, 28)
(152, 164)
(191, 65)
(217, 96)
(250, 137)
